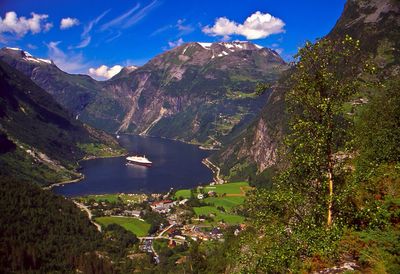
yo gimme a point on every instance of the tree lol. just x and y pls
(324, 80)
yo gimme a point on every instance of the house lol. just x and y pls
(163, 206)
(200, 196)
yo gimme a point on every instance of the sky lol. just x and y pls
(99, 37)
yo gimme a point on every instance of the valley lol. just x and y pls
(266, 137)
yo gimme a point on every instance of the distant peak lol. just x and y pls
(27, 56)
(240, 45)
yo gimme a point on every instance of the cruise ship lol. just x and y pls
(139, 160)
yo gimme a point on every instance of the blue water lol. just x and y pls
(175, 164)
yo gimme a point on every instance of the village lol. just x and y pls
(200, 214)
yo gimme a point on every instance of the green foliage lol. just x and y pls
(378, 128)
(43, 232)
(261, 88)
(119, 234)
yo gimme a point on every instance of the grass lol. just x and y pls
(99, 150)
(230, 188)
(185, 193)
(138, 227)
(219, 216)
(113, 198)
(228, 196)
(226, 202)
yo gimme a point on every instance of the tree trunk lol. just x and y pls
(330, 163)
(330, 198)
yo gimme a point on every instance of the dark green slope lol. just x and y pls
(41, 232)
(47, 141)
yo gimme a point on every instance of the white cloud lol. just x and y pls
(104, 72)
(256, 26)
(84, 43)
(20, 26)
(68, 22)
(47, 27)
(118, 20)
(176, 43)
(70, 62)
(85, 36)
(141, 14)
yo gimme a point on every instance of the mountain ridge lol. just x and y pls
(209, 88)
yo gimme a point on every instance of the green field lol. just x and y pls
(185, 193)
(138, 227)
(219, 216)
(229, 196)
(113, 198)
(229, 188)
(227, 202)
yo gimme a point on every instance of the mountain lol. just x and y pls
(41, 142)
(73, 92)
(197, 92)
(376, 24)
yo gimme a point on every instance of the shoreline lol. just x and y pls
(214, 169)
(65, 182)
(198, 145)
(81, 176)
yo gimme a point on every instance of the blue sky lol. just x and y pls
(121, 32)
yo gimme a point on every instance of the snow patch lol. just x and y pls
(14, 48)
(205, 45)
(27, 54)
(30, 59)
(45, 60)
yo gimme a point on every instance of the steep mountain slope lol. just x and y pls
(197, 92)
(376, 24)
(41, 140)
(73, 92)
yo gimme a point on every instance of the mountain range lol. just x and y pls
(198, 92)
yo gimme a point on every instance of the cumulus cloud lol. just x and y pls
(68, 22)
(20, 26)
(256, 26)
(176, 43)
(105, 72)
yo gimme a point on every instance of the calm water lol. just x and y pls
(175, 164)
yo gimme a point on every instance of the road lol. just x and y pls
(89, 213)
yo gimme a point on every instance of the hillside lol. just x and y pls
(376, 24)
(198, 92)
(42, 142)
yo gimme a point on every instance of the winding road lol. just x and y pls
(89, 213)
